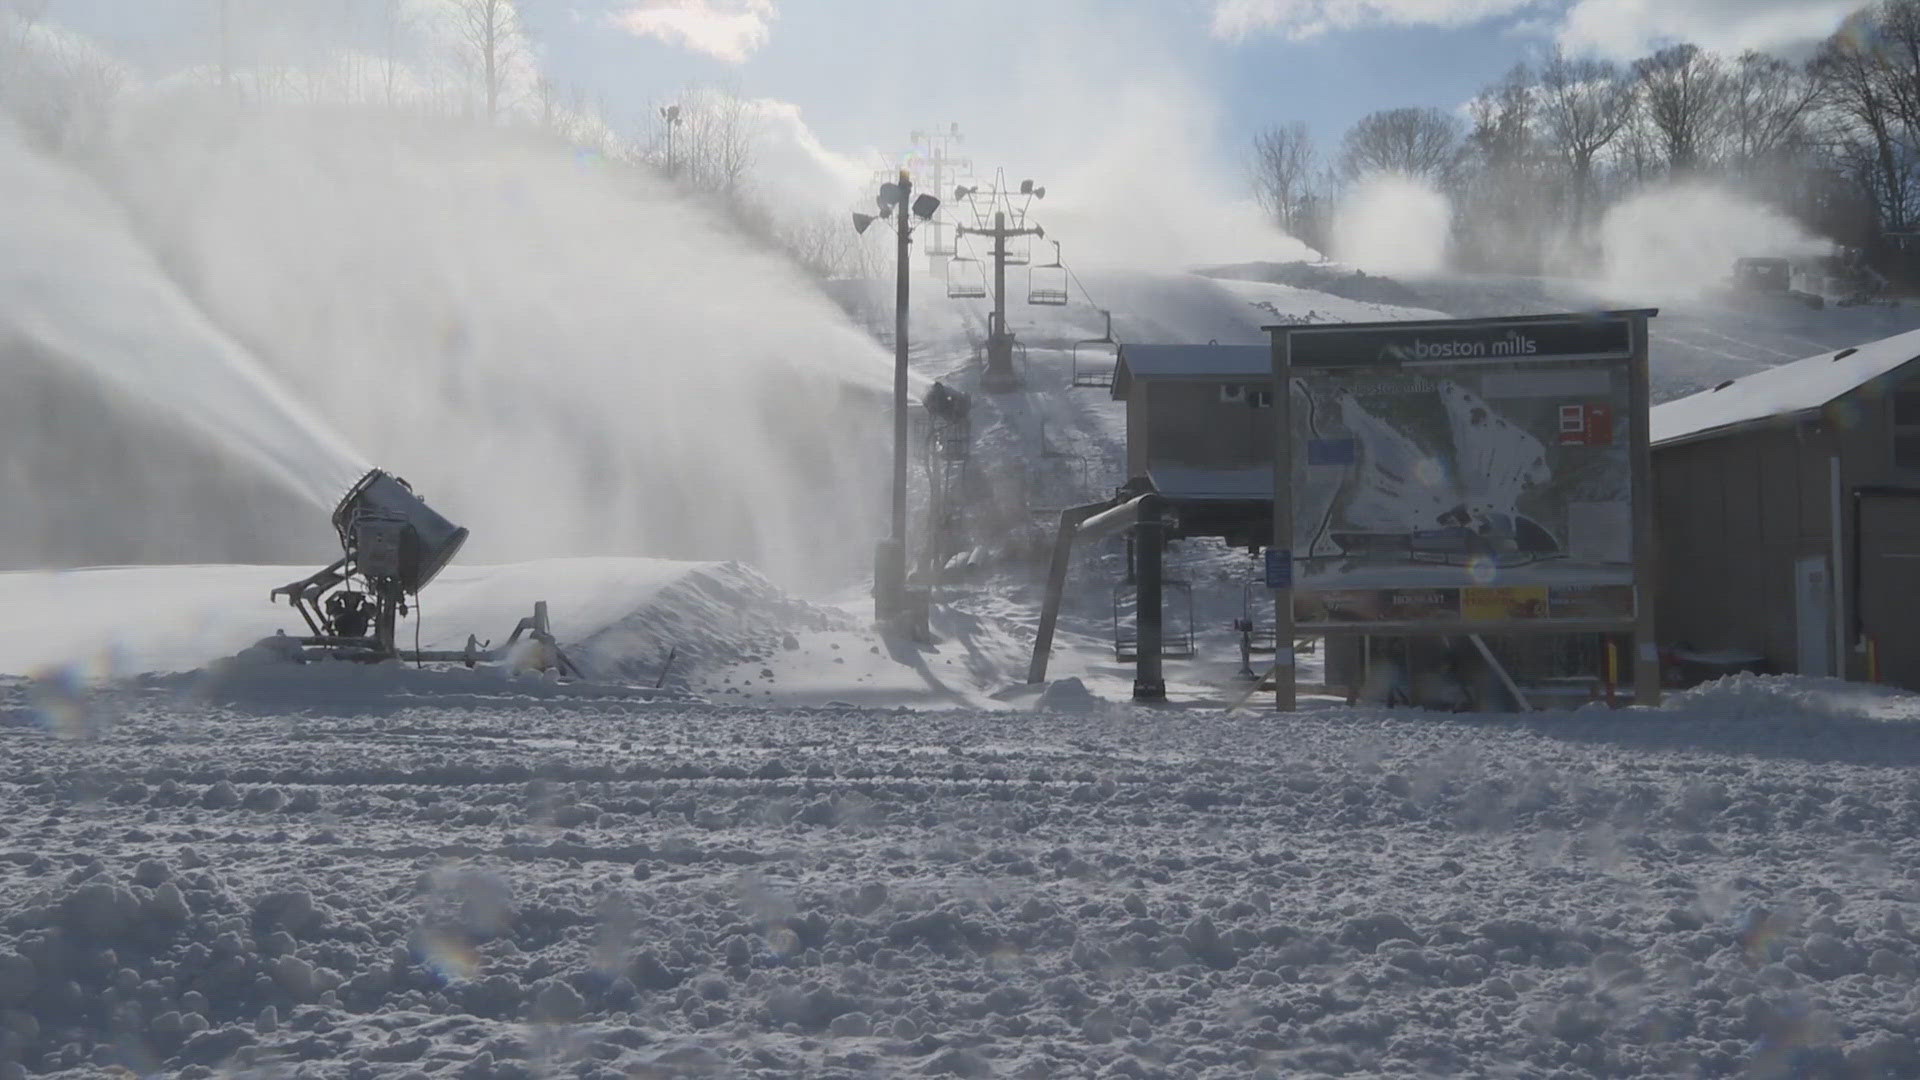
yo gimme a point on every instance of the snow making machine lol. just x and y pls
(393, 545)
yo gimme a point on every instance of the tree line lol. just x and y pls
(1533, 161)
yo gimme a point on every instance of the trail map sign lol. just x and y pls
(1463, 476)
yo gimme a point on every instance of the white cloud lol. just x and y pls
(729, 30)
(1237, 19)
(1627, 28)
(1620, 29)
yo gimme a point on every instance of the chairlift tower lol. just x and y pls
(1000, 375)
(939, 152)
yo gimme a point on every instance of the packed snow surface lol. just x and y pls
(550, 882)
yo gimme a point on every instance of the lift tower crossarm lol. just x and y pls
(1000, 374)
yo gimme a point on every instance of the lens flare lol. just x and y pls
(1483, 569)
(57, 698)
(448, 954)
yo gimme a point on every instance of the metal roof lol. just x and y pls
(1787, 390)
(1416, 324)
(1253, 484)
(1214, 361)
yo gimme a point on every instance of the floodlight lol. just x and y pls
(889, 197)
(861, 221)
(1026, 187)
(925, 207)
(963, 193)
(671, 114)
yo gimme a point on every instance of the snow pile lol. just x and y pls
(618, 618)
(1068, 695)
(1792, 698)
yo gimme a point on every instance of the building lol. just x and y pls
(1199, 426)
(1787, 506)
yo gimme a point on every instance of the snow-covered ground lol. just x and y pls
(556, 884)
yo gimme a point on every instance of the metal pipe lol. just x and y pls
(1123, 516)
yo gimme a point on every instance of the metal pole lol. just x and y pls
(899, 534)
(1149, 680)
(1646, 647)
(1282, 409)
(1000, 273)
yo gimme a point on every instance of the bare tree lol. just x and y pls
(1282, 165)
(27, 12)
(1684, 92)
(1767, 103)
(1858, 91)
(1503, 118)
(490, 33)
(1421, 143)
(1584, 105)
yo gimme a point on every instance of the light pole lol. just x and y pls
(890, 555)
(670, 114)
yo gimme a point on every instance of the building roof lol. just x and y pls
(1787, 390)
(1253, 484)
(1213, 361)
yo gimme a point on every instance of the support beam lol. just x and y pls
(1150, 545)
(1071, 521)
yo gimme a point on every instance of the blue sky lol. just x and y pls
(1033, 79)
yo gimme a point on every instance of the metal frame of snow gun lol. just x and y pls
(393, 544)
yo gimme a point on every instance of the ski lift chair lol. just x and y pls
(1096, 359)
(966, 278)
(1047, 282)
(1176, 632)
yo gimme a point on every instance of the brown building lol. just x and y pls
(1200, 426)
(1787, 505)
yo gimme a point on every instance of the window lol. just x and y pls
(1251, 395)
(1906, 428)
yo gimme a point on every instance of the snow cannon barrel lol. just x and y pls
(393, 534)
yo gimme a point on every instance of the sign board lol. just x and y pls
(1463, 474)
(1454, 343)
(1279, 569)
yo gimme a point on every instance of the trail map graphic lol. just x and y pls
(1503, 475)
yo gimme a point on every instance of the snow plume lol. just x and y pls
(1120, 130)
(561, 354)
(1392, 224)
(1683, 239)
(563, 357)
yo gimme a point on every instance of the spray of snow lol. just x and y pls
(1393, 224)
(565, 357)
(1683, 239)
(83, 294)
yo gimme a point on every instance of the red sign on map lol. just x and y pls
(1586, 425)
